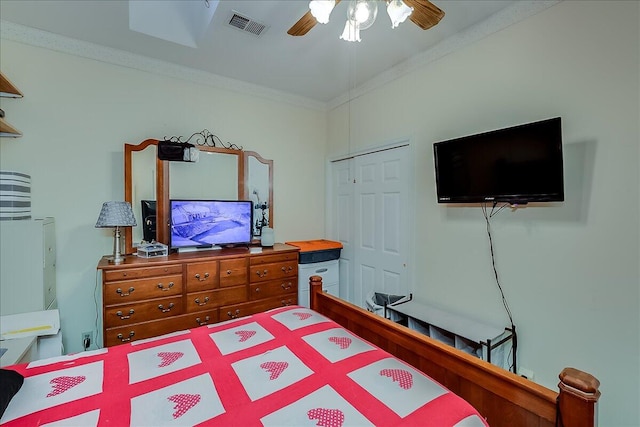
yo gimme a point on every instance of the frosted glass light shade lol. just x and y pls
(351, 32)
(321, 9)
(398, 12)
(363, 12)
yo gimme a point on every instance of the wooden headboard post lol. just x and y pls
(578, 399)
(502, 397)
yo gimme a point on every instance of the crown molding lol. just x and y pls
(508, 16)
(44, 39)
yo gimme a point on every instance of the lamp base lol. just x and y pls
(117, 257)
(114, 260)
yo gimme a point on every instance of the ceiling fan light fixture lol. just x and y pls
(363, 12)
(351, 32)
(321, 9)
(398, 12)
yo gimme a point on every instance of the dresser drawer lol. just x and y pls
(261, 273)
(198, 301)
(139, 331)
(135, 290)
(126, 314)
(272, 288)
(202, 276)
(247, 308)
(268, 259)
(139, 273)
(233, 272)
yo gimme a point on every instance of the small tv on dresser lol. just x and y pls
(209, 224)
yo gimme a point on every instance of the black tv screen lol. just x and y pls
(210, 223)
(515, 165)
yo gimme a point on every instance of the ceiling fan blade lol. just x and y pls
(304, 24)
(425, 14)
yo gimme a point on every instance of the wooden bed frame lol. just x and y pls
(502, 397)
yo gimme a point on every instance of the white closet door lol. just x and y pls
(342, 220)
(372, 220)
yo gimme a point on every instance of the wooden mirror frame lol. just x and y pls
(163, 185)
(162, 175)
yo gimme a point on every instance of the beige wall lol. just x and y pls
(570, 270)
(77, 114)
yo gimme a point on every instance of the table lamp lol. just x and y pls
(116, 214)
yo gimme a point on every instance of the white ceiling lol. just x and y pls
(319, 66)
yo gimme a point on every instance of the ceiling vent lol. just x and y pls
(245, 24)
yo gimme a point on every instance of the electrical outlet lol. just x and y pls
(87, 339)
(526, 373)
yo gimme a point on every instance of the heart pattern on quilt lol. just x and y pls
(64, 383)
(168, 357)
(183, 402)
(326, 417)
(245, 335)
(302, 316)
(402, 377)
(343, 342)
(274, 368)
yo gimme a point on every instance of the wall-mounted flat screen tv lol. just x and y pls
(515, 165)
(209, 223)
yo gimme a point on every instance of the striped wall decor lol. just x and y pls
(15, 196)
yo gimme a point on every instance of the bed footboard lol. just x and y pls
(502, 397)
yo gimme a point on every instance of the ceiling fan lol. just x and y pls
(362, 13)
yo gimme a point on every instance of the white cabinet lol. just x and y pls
(27, 265)
(328, 270)
(488, 342)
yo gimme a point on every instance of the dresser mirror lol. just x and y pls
(259, 189)
(220, 173)
(214, 176)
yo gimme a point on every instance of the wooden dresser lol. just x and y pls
(143, 298)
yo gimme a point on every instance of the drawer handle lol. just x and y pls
(233, 315)
(119, 314)
(258, 290)
(322, 270)
(206, 300)
(287, 302)
(123, 339)
(201, 323)
(122, 294)
(263, 273)
(162, 288)
(165, 310)
(228, 272)
(286, 286)
(206, 276)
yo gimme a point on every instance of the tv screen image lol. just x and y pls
(516, 165)
(210, 223)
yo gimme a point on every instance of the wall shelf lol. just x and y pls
(8, 90)
(7, 130)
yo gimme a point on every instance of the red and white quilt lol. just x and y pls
(286, 367)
